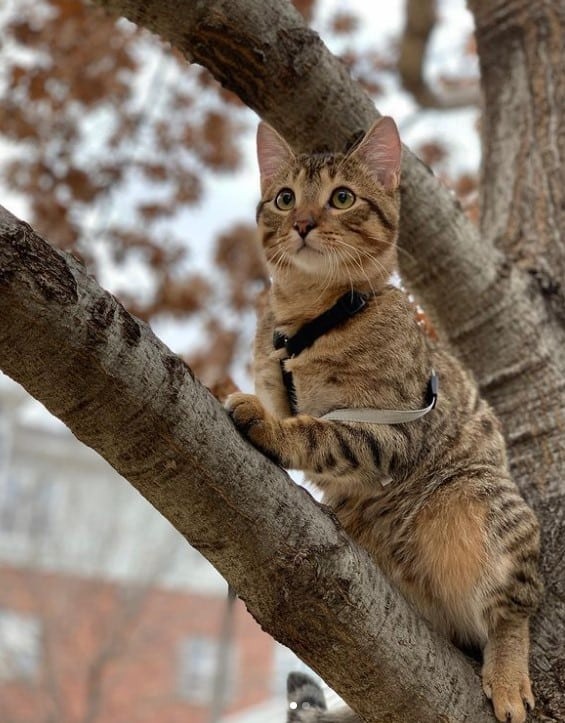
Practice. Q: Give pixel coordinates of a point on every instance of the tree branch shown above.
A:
(122, 392)
(522, 56)
(421, 18)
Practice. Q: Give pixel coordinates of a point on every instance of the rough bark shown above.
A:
(498, 296)
(522, 56)
(122, 392)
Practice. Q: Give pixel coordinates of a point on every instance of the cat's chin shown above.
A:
(308, 260)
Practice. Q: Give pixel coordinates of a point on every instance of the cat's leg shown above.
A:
(315, 445)
(476, 545)
(506, 680)
(515, 596)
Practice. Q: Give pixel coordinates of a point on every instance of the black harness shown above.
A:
(346, 306)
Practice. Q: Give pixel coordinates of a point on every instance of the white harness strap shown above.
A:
(385, 416)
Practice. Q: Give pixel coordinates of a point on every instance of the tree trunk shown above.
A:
(522, 60)
(504, 317)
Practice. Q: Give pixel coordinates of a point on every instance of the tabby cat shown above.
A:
(430, 499)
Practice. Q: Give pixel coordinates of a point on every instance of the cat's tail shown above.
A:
(307, 703)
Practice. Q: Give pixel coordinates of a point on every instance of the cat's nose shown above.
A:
(304, 225)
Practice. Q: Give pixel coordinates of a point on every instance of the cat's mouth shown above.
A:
(307, 247)
(306, 244)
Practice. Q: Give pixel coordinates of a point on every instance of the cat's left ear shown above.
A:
(272, 153)
(380, 151)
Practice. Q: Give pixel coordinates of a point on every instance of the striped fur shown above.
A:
(432, 501)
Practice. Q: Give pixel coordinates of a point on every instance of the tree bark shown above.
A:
(522, 56)
(497, 296)
(123, 393)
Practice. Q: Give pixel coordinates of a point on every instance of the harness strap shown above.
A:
(346, 306)
(387, 416)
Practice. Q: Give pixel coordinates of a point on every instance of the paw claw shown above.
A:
(510, 704)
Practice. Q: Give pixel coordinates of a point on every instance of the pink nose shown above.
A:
(304, 226)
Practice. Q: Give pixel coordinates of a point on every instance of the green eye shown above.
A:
(285, 199)
(342, 198)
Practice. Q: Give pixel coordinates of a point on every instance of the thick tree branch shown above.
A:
(522, 56)
(122, 392)
(421, 17)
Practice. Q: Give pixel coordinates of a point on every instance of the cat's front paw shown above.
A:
(511, 695)
(255, 422)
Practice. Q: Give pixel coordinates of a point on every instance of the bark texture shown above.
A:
(122, 392)
(498, 297)
(522, 56)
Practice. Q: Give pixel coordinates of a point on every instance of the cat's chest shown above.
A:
(362, 362)
(329, 376)
(315, 384)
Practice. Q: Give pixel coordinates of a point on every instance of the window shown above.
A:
(26, 505)
(199, 658)
(20, 646)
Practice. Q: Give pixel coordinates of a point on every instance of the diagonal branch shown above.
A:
(122, 392)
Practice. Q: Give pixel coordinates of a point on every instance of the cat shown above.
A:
(430, 499)
(305, 698)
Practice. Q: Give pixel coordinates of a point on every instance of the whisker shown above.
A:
(390, 243)
(360, 253)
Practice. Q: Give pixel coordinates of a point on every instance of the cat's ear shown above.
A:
(380, 151)
(272, 153)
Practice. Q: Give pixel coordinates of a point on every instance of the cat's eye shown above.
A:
(285, 199)
(342, 198)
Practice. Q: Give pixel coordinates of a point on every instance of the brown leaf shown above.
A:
(344, 23)
(80, 185)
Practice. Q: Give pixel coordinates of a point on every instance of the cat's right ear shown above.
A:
(380, 151)
(272, 153)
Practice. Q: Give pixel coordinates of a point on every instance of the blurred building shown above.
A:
(106, 614)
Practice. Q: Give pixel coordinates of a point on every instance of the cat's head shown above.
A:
(333, 216)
